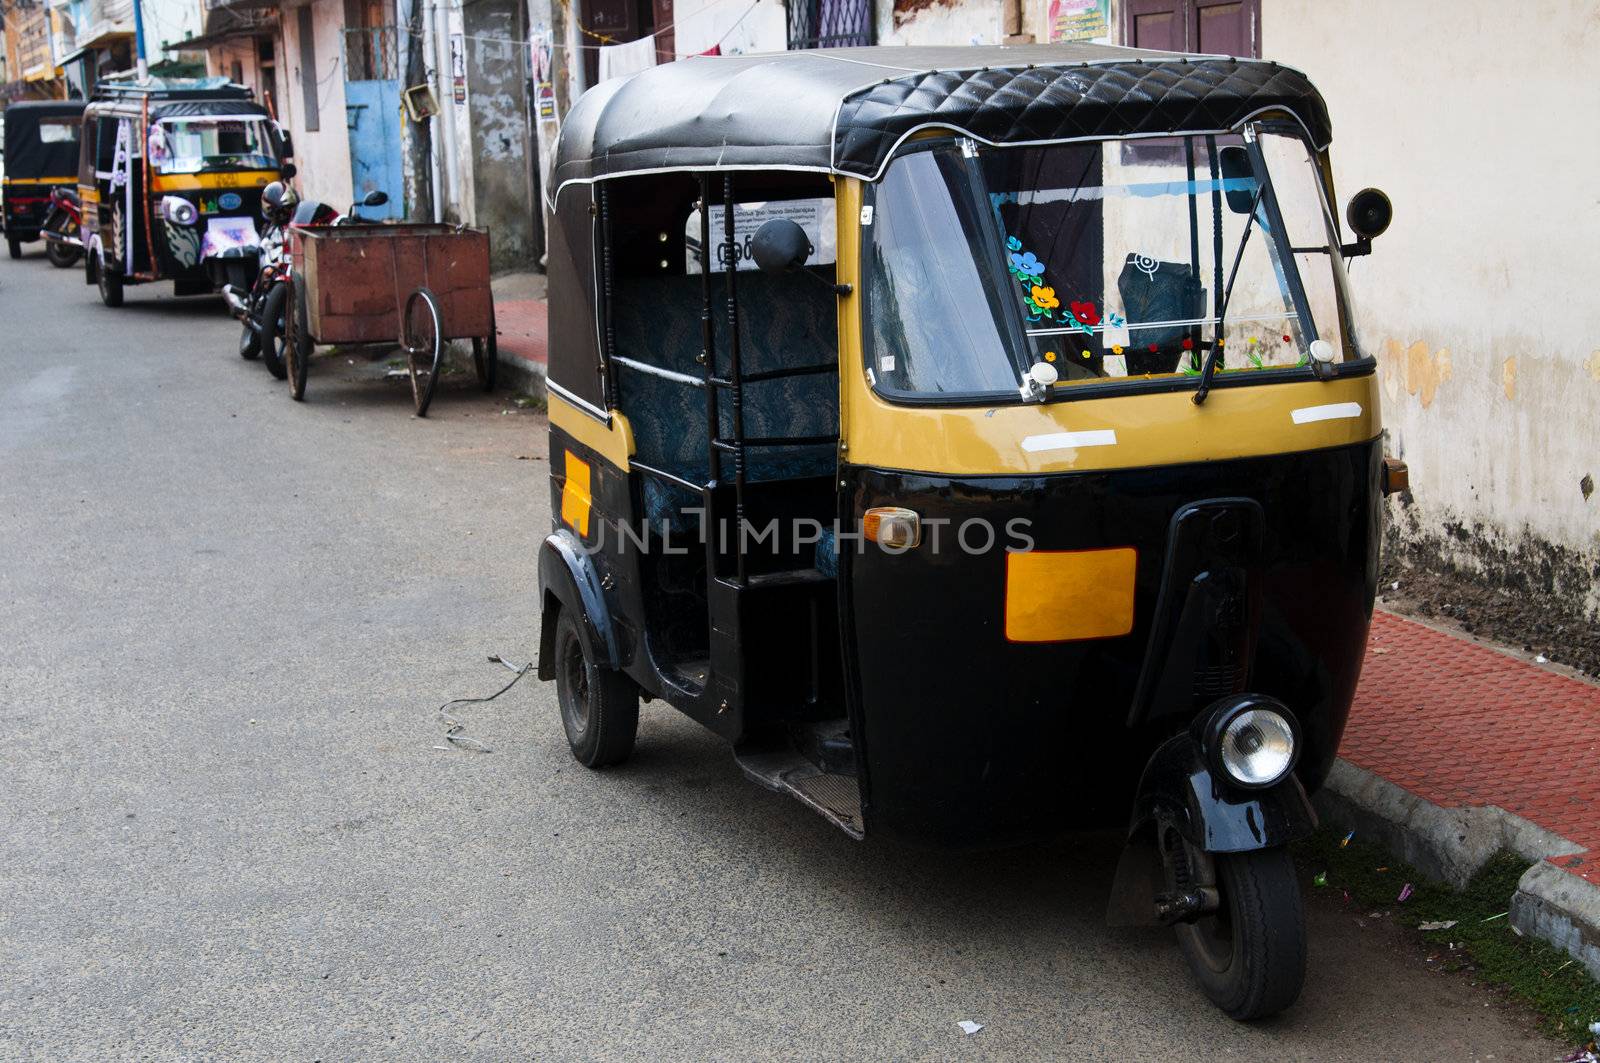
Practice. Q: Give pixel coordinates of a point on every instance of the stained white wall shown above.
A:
(322, 156)
(1481, 301)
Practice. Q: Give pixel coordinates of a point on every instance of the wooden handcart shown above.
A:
(423, 284)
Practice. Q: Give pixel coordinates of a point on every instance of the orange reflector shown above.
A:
(1064, 595)
(575, 497)
(891, 526)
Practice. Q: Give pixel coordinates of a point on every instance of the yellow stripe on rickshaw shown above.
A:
(195, 182)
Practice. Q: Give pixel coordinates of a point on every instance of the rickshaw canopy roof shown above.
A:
(846, 110)
(176, 98)
(29, 155)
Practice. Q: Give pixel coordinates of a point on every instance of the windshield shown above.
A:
(193, 145)
(1110, 260)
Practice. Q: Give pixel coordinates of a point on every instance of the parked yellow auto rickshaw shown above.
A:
(41, 149)
(170, 177)
(980, 441)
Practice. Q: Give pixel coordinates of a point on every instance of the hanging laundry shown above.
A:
(621, 60)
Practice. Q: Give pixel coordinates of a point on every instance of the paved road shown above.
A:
(229, 833)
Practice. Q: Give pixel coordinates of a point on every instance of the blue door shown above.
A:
(372, 109)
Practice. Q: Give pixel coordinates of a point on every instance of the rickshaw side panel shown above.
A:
(972, 739)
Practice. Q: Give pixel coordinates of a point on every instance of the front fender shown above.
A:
(1178, 787)
(568, 579)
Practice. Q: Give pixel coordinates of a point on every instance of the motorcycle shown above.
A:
(63, 228)
(260, 309)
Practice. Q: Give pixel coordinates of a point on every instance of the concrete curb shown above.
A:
(1560, 908)
(1452, 844)
(521, 374)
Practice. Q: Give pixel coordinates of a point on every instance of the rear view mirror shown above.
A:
(780, 246)
(288, 170)
(1239, 180)
(1369, 214)
(375, 198)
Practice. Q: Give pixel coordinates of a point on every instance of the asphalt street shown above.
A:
(229, 830)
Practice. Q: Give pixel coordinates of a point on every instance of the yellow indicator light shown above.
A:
(891, 526)
(575, 497)
(1066, 595)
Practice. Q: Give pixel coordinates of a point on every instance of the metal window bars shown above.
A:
(372, 54)
(830, 23)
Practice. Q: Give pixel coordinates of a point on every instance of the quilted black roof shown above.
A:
(845, 110)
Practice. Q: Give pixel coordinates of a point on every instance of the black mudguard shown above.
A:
(1178, 787)
(568, 579)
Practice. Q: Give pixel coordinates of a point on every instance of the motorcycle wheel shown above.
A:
(61, 255)
(249, 343)
(273, 340)
(297, 350)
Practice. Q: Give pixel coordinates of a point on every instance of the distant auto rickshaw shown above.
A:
(170, 178)
(41, 154)
(979, 440)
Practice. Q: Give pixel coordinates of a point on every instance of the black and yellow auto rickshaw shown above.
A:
(170, 177)
(41, 153)
(980, 441)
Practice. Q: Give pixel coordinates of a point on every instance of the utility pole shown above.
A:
(138, 40)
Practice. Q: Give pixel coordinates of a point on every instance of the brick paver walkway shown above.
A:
(521, 324)
(1460, 724)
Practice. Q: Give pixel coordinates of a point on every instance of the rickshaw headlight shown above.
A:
(178, 210)
(1257, 747)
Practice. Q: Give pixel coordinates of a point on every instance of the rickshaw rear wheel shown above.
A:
(110, 282)
(599, 707)
(14, 246)
(274, 336)
(1250, 955)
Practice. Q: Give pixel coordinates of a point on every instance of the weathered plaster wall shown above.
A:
(739, 28)
(322, 156)
(503, 156)
(1480, 301)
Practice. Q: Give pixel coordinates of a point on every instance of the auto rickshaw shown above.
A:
(170, 176)
(979, 440)
(41, 153)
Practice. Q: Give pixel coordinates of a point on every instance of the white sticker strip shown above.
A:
(1104, 437)
(1333, 411)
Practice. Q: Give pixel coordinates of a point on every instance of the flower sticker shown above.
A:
(1045, 298)
(1049, 356)
(1085, 313)
(1013, 244)
(1026, 263)
(1188, 344)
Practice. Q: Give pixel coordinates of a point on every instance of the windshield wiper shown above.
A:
(1208, 370)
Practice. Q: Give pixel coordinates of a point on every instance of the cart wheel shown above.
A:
(297, 348)
(424, 346)
(1250, 955)
(110, 282)
(273, 339)
(486, 357)
(599, 707)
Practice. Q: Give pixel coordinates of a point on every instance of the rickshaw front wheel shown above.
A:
(1249, 956)
(599, 707)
